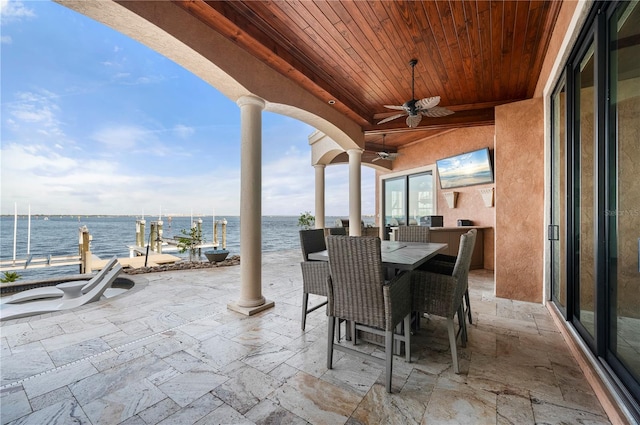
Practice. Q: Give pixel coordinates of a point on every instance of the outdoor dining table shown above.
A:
(398, 255)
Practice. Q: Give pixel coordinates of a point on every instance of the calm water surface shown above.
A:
(112, 235)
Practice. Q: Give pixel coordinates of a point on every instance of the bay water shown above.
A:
(112, 235)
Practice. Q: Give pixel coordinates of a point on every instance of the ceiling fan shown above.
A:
(416, 109)
(385, 154)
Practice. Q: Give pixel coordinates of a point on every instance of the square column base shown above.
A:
(250, 311)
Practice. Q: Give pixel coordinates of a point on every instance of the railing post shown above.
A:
(85, 250)
(159, 239)
(153, 235)
(224, 233)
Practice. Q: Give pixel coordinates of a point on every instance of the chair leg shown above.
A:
(462, 322)
(466, 299)
(305, 300)
(407, 336)
(331, 326)
(452, 342)
(388, 352)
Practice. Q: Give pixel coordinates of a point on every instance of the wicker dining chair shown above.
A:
(359, 294)
(442, 295)
(338, 231)
(444, 264)
(314, 273)
(413, 234)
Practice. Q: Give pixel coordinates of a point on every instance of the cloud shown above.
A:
(54, 183)
(183, 131)
(124, 137)
(6, 39)
(14, 11)
(37, 112)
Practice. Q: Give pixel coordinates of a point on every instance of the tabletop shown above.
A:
(398, 255)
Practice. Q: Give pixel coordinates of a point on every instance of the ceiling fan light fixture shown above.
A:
(413, 120)
(415, 109)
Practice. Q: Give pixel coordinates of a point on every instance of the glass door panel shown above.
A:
(584, 192)
(556, 231)
(394, 202)
(420, 197)
(623, 215)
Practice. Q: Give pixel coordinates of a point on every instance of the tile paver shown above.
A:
(170, 352)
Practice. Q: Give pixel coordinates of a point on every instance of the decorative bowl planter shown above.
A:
(216, 255)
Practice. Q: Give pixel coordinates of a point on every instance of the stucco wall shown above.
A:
(470, 205)
(519, 181)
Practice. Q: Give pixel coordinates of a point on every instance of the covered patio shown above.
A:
(170, 352)
(334, 65)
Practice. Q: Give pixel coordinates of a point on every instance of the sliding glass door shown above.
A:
(594, 231)
(585, 170)
(408, 198)
(557, 228)
(623, 214)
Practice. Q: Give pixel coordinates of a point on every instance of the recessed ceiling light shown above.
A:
(332, 102)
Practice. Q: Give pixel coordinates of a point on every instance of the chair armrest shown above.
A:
(397, 298)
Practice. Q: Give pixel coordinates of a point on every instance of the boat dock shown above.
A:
(153, 260)
(96, 263)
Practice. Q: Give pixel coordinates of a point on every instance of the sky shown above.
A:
(93, 122)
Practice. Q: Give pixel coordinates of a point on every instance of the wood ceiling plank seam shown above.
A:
(362, 17)
(550, 17)
(353, 73)
(475, 46)
(401, 46)
(399, 52)
(359, 41)
(461, 29)
(454, 47)
(422, 48)
(520, 44)
(456, 90)
(484, 37)
(437, 67)
(506, 53)
(528, 58)
(497, 28)
(228, 19)
(284, 13)
(371, 92)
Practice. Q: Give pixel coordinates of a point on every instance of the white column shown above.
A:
(251, 300)
(355, 189)
(320, 190)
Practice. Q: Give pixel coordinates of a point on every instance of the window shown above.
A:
(408, 198)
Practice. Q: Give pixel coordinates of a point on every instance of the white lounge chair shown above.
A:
(53, 292)
(31, 308)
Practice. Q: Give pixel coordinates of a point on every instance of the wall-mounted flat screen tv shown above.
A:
(466, 169)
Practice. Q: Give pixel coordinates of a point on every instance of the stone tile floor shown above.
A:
(170, 352)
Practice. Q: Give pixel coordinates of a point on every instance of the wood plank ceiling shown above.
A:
(474, 54)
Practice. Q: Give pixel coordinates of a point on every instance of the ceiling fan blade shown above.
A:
(395, 107)
(428, 102)
(413, 120)
(392, 117)
(377, 158)
(437, 111)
